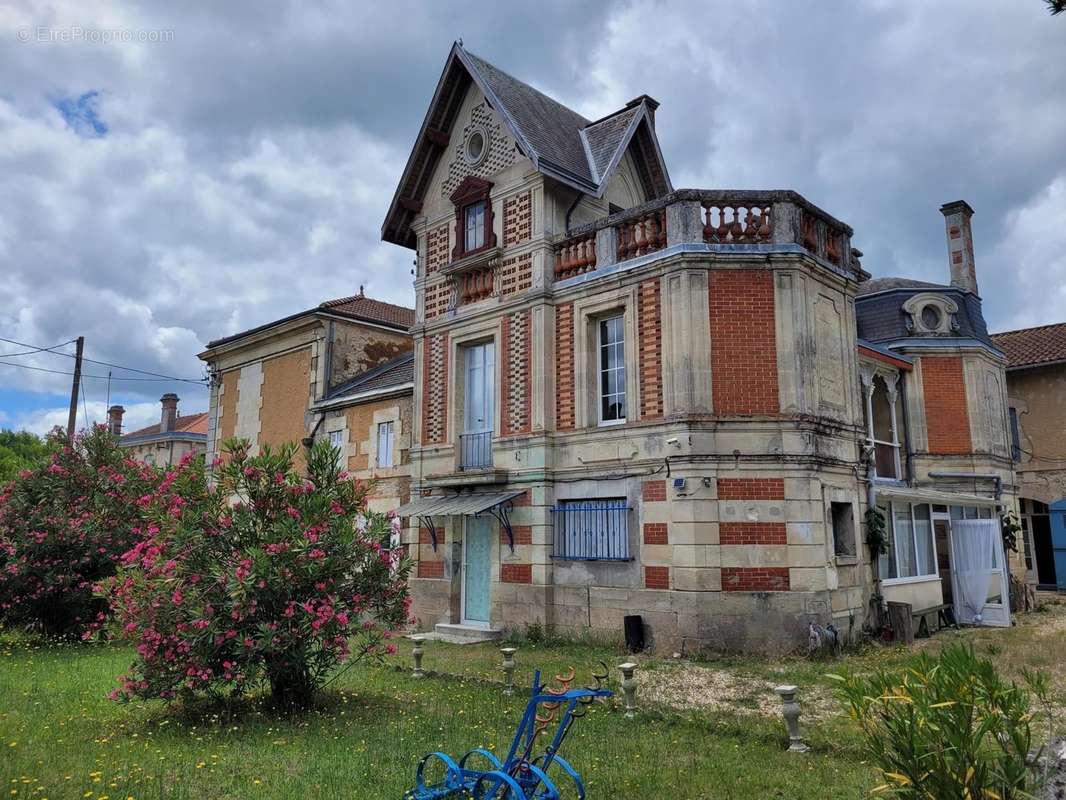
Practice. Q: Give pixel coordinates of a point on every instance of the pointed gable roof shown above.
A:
(560, 142)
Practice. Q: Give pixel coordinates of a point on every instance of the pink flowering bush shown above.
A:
(267, 577)
(63, 527)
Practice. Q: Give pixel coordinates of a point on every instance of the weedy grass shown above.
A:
(61, 738)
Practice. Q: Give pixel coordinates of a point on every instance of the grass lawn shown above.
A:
(60, 737)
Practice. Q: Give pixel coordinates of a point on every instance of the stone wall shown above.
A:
(1037, 397)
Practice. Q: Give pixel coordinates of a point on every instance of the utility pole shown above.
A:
(72, 418)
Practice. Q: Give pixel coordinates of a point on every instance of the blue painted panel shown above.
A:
(478, 567)
(1058, 540)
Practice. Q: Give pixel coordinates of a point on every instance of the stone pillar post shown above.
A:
(606, 247)
(684, 222)
(629, 688)
(416, 656)
(791, 711)
(508, 669)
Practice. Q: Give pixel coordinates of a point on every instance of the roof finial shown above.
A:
(460, 41)
(360, 290)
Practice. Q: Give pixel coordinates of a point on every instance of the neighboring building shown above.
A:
(631, 399)
(340, 370)
(166, 443)
(1036, 392)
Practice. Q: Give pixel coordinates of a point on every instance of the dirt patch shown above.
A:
(683, 686)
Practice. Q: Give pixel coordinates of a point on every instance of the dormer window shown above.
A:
(930, 314)
(473, 217)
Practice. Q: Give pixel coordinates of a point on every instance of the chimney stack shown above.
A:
(170, 412)
(114, 420)
(960, 245)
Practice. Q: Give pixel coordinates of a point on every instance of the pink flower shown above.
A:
(176, 597)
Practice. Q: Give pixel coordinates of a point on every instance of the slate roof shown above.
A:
(880, 317)
(884, 284)
(357, 307)
(195, 424)
(391, 374)
(1030, 347)
(560, 142)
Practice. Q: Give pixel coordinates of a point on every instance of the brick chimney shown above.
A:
(960, 245)
(170, 412)
(114, 420)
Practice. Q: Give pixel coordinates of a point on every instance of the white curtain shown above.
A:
(975, 543)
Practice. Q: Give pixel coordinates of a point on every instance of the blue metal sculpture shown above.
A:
(521, 775)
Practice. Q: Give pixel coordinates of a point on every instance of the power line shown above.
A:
(35, 349)
(99, 377)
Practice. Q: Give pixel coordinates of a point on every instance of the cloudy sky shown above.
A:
(174, 172)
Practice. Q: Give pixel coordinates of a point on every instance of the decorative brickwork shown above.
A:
(743, 342)
(655, 533)
(424, 536)
(516, 274)
(438, 298)
(752, 533)
(435, 389)
(946, 414)
(523, 534)
(436, 248)
(649, 330)
(653, 491)
(517, 218)
(656, 577)
(751, 489)
(501, 151)
(430, 569)
(516, 573)
(564, 367)
(515, 392)
(755, 579)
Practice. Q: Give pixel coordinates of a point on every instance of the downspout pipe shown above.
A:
(981, 476)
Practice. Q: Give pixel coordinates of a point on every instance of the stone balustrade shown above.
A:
(731, 220)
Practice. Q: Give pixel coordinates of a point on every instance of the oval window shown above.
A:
(475, 146)
(931, 318)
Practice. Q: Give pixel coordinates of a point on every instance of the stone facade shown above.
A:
(737, 466)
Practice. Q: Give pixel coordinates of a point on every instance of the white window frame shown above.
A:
(897, 581)
(602, 371)
(336, 440)
(385, 457)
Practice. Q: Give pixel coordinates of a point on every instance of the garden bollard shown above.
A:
(791, 711)
(629, 688)
(508, 668)
(416, 656)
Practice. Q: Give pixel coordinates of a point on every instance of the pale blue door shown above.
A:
(477, 551)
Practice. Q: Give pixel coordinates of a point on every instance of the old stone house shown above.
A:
(1036, 388)
(341, 370)
(633, 399)
(167, 442)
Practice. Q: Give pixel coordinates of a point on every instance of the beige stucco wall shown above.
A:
(1039, 395)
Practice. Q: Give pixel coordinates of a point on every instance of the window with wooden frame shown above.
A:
(473, 217)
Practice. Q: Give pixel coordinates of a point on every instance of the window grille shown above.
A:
(592, 530)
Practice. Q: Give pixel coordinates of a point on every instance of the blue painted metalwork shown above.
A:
(592, 530)
(521, 775)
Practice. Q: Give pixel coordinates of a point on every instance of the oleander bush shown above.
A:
(947, 727)
(64, 525)
(266, 577)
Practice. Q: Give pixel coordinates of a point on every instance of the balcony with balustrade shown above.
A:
(704, 220)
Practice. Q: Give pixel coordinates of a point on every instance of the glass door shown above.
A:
(479, 407)
(477, 567)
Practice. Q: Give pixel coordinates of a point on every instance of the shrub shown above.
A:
(265, 577)
(946, 727)
(63, 526)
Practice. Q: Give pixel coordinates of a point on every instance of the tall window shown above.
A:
(386, 445)
(474, 216)
(1015, 435)
(336, 441)
(911, 552)
(612, 353)
(479, 407)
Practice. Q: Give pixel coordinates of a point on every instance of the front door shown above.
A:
(979, 570)
(477, 563)
(1058, 541)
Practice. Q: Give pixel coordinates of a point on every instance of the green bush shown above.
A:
(946, 727)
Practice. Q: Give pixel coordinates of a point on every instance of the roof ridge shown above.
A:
(1034, 328)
